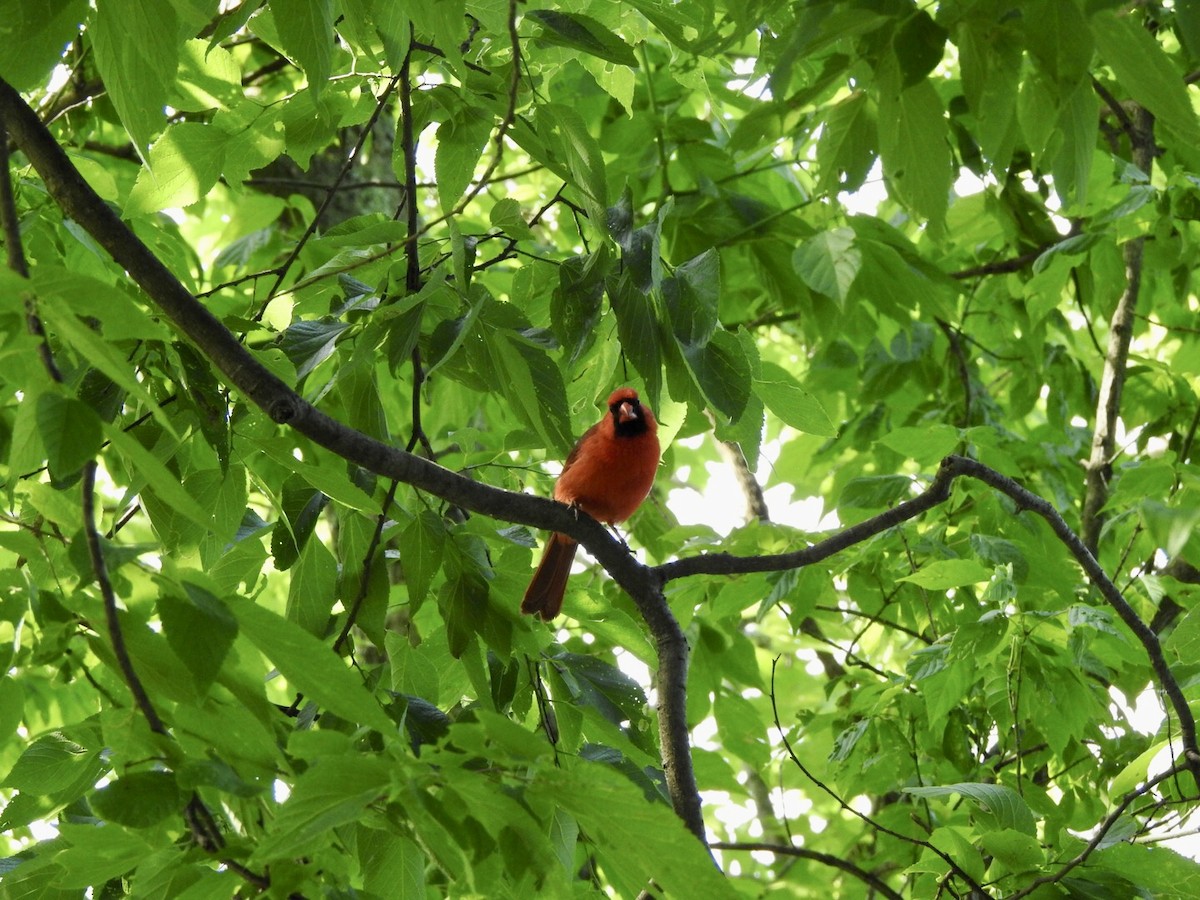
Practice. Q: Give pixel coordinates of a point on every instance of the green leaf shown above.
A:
(53, 764)
(794, 406)
(723, 373)
(200, 629)
(693, 296)
(310, 666)
(565, 130)
(1064, 62)
(330, 794)
(584, 33)
(309, 343)
(70, 432)
(637, 328)
(1146, 72)
(100, 353)
(915, 148)
(875, 492)
(927, 444)
(919, 45)
(460, 143)
(34, 37)
(829, 263)
(575, 304)
(157, 476)
(847, 147)
(422, 543)
(949, 573)
(96, 855)
(392, 865)
(1004, 804)
(506, 215)
(533, 386)
(312, 589)
(183, 165)
(139, 799)
(137, 54)
(306, 32)
(636, 841)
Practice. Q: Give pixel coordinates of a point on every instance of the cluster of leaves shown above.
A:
(457, 225)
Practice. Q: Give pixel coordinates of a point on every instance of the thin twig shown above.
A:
(115, 634)
(283, 269)
(826, 859)
(787, 744)
(364, 582)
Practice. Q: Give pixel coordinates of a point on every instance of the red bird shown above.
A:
(607, 475)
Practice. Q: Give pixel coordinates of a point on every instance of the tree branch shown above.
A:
(116, 636)
(945, 857)
(1116, 359)
(284, 406)
(826, 859)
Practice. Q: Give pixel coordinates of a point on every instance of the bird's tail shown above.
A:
(544, 596)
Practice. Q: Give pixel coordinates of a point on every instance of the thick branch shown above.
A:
(284, 406)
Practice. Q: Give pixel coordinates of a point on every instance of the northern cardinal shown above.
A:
(607, 475)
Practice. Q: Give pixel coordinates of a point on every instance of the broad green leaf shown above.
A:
(70, 433)
(875, 492)
(927, 445)
(422, 543)
(137, 53)
(584, 33)
(209, 77)
(784, 397)
(1064, 62)
(1132, 776)
(139, 799)
(310, 666)
(312, 589)
(331, 793)
(183, 165)
(723, 372)
(915, 149)
(200, 629)
(568, 134)
(829, 262)
(1005, 805)
(53, 764)
(34, 37)
(637, 841)
(306, 32)
(392, 865)
(575, 304)
(919, 45)
(156, 476)
(1144, 70)
(692, 296)
(99, 353)
(96, 855)
(944, 574)
(460, 144)
(637, 327)
(506, 215)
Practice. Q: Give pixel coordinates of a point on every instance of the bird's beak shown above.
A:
(627, 412)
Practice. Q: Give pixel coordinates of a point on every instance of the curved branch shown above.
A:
(943, 855)
(285, 407)
(826, 859)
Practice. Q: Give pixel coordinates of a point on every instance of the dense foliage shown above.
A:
(831, 243)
